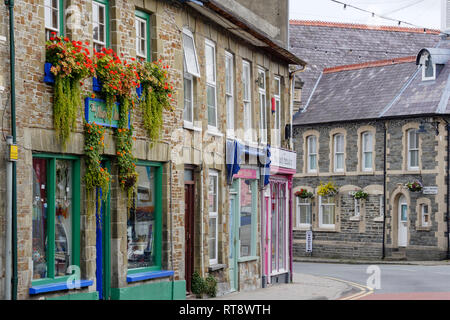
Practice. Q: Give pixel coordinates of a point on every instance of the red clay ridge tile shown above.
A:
(371, 64)
(362, 26)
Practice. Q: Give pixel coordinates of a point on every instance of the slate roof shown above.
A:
(378, 89)
(327, 44)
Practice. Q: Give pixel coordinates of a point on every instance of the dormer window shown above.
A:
(428, 67)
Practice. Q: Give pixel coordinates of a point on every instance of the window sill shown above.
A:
(378, 219)
(248, 259)
(59, 286)
(216, 267)
(326, 229)
(149, 275)
(214, 132)
(302, 228)
(428, 228)
(355, 218)
(189, 126)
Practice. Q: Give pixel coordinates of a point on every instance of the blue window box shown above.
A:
(58, 286)
(96, 85)
(48, 76)
(149, 275)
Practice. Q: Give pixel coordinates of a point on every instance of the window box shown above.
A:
(141, 276)
(59, 286)
(96, 85)
(49, 77)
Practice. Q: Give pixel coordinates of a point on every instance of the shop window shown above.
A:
(327, 211)
(213, 241)
(303, 214)
(55, 216)
(144, 223)
(54, 17)
(247, 221)
(100, 24)
(142, 25)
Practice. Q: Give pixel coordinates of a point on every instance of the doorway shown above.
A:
(402, 222)
(189, 201)
(277, 227)
(103, 242)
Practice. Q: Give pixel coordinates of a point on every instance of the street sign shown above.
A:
(430, 190)
(309, 241)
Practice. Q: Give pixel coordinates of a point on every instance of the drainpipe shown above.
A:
(384, 188)
(10, 4)
(8, 243)
(171, 228)
(448, 188)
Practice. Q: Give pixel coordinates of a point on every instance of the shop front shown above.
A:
(277, 218)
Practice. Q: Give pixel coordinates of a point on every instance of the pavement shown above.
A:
(303, 287)
(370, 262)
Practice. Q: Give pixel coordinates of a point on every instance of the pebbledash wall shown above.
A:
(361, 237)
(175, 149)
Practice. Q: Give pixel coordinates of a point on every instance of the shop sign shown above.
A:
(95, 111)
(309, 241)
(283, 158)
(430, 190)
(246, 174)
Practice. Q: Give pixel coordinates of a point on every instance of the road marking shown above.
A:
(364, 290)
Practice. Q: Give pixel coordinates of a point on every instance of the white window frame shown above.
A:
(299, 223)
(321, 224)
(97, 41)
(188, 123)
(422, 207)
(309, 153)
(262, 106)
(195, 71)
(410, 150)
(365, 152)
(211, 84)
(229, 94)
(357, 207)
(277, 126)
(48, 28)
(423, 61)
(336, 153)
(215, 215)
(138, 22)
(247, 83)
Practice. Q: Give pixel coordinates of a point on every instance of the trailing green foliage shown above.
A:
(201, 286)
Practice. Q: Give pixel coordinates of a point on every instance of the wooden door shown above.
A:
(189, 232)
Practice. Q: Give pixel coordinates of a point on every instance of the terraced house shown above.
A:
(224, 69)
(378, 131)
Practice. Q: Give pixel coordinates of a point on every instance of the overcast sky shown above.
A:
(423, 13)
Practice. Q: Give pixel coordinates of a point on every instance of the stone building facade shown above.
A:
(374, 131)
(186, 153)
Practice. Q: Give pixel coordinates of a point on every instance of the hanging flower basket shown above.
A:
(414, 186)
(360, 195)
(327, 190)
(304, 194)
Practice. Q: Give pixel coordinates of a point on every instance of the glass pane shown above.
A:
(229, 75)
(328, 214)
(96, 32)
(102, 33)
(211, 101)
(188, 175)
(142, 47)
(413, 139)
(367, 160)
(312, 162)
(230, 228)
(63, 220)
(339, 143)
(277, 117)
(414, 158)
(404, 216)
(209, 53)
(95, 17)
(212, 194)
(39, 232)
(262, 105)
(282, 227)
(367, 142)
(277, 87)
(246, 222)
(429, 71)
(142, 28)
(312, 144)
(141, 223)
(189, 55)
(48, 17)
(212, 238)
(274, 221)
(261, 80)
(55, 18)
(339, 161)
(230, 112)
(246, 81)
(187, 99)
(101, 15)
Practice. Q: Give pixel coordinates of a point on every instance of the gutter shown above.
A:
(10, 5)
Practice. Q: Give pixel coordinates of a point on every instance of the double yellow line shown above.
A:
(364, 290)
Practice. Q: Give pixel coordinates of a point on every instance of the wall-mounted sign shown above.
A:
(309, 237)
(95, 111)
(430, 190)
(283, 158)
